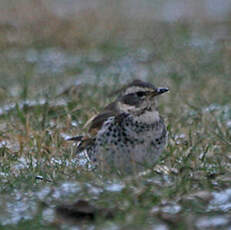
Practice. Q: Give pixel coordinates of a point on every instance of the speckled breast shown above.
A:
(125, 144)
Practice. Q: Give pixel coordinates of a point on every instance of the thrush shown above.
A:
(129, 133)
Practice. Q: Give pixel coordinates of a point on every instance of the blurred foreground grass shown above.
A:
(57, 72)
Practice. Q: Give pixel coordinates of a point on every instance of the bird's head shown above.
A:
(138, 97)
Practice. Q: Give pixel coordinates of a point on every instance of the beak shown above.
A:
(160, 90)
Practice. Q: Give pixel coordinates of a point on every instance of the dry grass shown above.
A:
(101, 48)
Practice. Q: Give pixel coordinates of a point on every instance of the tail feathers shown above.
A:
(84, 142)
(76, 138)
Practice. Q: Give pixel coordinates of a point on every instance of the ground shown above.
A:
(57, 72)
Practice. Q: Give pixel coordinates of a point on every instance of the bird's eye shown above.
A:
(140, 94)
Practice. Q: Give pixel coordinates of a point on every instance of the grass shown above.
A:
(51, 86)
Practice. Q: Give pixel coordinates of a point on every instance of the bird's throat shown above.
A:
(148, 117)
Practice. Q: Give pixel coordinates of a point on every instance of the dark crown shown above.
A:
(142, 84)
(135, 83)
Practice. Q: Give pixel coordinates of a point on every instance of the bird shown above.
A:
(129, 134)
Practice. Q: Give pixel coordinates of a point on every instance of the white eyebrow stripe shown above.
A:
(135, 89)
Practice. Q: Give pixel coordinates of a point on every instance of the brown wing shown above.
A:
(95, 125)
(98, 121)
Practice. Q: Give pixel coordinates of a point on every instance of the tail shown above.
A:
(84, 142)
